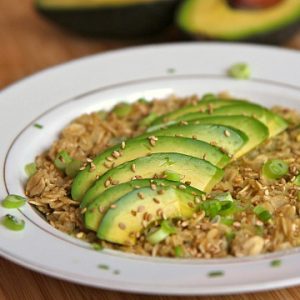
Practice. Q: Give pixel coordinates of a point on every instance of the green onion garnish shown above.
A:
(13, 201)
(122, 110)
(103, 267)
(39, 126)
(211, 207)
(102, 114)
(73, 168)
(230, 236)
(239, 71)
(149, 119)
(297, 180)
(178, 250)
(227, 221)
(263, 214)
(215, 274)
(276, 263)
(30, 169)
(62, 160)
(13, 223)
(275, 169)
(162, 233)
(96, 246)
(142, 101)
(171, 175)
(224, 197)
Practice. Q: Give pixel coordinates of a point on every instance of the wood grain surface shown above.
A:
(28, 43)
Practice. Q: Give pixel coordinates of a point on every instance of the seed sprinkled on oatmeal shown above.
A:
(140, 208)
(107, 183)
(153, 186)
(227, 133)
(123, 145)
(116, 154)
(122, 226)
(133, 167)
(141, 195)
(113, 206)
(182, 187)
(156, 200)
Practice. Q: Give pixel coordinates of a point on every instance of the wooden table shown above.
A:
(28, 44)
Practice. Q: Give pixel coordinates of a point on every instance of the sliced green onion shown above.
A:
(13, 223)
(211, 207)
(96, 246)
(162, 233)
(230, 236)
(239, 71)
(215, 274)
(149, 119)
(224, 197)
(73, 168)
(297, 180)
(13, 201)
(171, 175)
(142, 101)
(122, 110)
(228, 208)
(275, 169)
(103, 267)
(178, 250)
(62, 160)
(276, 263)
(30, 169)
(227, 221)
(259, 230)
(38, 126)
(263, 214)
(102, 114)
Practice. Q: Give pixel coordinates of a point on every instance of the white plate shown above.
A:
(55, 96)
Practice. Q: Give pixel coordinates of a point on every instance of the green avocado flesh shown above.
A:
(210, 133)
(97, 209)
(198, 172)
(275, 123)
(217, 19)
(135, 148)
(201, 106)
(119, 225)
(256, 131)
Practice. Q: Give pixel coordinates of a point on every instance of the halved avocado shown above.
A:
(113, 18)
(198, 172)
(119, 225)
(201, 106)
(256, 131)
(218, 19)
(96, 210)
(274, 122)
(135, 148)
(210, 133)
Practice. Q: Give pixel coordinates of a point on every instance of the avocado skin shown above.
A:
(125, 21)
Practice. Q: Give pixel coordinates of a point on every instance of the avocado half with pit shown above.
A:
(117, 18)
(225, 20)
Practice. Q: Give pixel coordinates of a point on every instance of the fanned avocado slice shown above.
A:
(201, 106)
(256, 131)
(210, 133)
(135, 148)
(102, 203)
(274, 122)
(200, 173)
(131, 215)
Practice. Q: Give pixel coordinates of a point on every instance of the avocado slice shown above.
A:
(210, 133)
(119, 225)
(201, 106)
(200, 173)
(217, 19)
(274, 122)
(256, 131)
(135, 148)
(96, 210)
(112, 18)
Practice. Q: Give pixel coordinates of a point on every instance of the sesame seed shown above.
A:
(133, 212)
(184, 122)
(267, 193)
(115, 182)
(80, 235)
(82, 168)
(178, 135)
(140, 208)
(101, 209)
(137, 187)
(149, 217)
(152, 142)
(237, 224)
(107, 183)
(160, 192)
(83, 210)
(153, 186)
(106, 165)
(194, 137)
(141, 195)
(197, 200)
(89, 160)
(116, 154)
(109, 158)
(113, 206)
(182, 187)
(122, 226)
(156, 200)
(227, 133)
(190, 204)
(145, 215)
(204, 156)
(213, 143)
(123, 145)
(188, 183)
(133, 167)
(184, 224)
(159, 212)
(138, 177)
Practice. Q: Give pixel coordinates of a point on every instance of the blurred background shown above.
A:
(36, 35)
